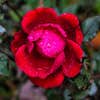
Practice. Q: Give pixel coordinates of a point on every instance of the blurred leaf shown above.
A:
(54, 94)
(5, 93)
(1, 16)
(86, 73)
(67, 95)
(96, 60)
(57, 10)
(82, 80)
(80, 95)
(24, 9)
(4, 65)
(97, 55)
(92, 90)
(49, 3)
(14, 16)
(1, 39)
(90, 27)
(64, 3)
(5, 90)
(2, 30)
(32, 3)
(2, 1)
(97, 5)
(71, 9)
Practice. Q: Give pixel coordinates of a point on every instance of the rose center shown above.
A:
(50, 44)
(49, 39)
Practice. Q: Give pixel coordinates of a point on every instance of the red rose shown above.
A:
(48, 47)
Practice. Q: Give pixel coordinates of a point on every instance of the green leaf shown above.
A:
(32, 3)
(71, 9)
(80, 95)
(79, 82)
(47, 3)
(86, 73)
(90, 27)
(54, 94)
(97, 6)
(82, 80)
(14, 16)
(50, 3)
(96, 62)
(67, 95)
(64, 3)
(4, 65)
(1, 16)
(2, 1)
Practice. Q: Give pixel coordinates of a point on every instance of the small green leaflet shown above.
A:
(4, 71)
(90, 27)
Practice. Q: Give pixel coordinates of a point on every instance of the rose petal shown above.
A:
(51, 81)
(35, 65)
(72, 64)
(70, 24)
(39, 30)
(79, 36)
(38, 16)
(35, 35)
(19, 40)
(30, 46)
(75, 48)
(58, 61)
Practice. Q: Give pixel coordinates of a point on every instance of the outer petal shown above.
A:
(38, 16)
(51, 81)
(70, 24)
(19, 40)
(35, 65)
(74, 54)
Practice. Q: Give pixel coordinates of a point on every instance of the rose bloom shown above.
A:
(47, 48)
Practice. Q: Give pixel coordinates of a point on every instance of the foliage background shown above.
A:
(14, 85)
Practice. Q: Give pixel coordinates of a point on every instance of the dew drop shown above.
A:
(30, 38)
(41, 43)
(48, 45)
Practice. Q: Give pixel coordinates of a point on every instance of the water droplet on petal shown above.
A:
(48, 45)
(41, 43)
(30, 38)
